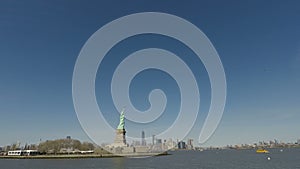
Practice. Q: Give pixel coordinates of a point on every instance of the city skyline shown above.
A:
(258, 44)
(174, 144)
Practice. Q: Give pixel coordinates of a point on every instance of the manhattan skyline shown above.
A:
(258, 44)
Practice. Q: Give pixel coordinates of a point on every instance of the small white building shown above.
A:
(23, 153)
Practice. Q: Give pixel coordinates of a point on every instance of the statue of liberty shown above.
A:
(120, 139)
(122, 120)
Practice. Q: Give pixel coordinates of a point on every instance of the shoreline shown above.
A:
(60, 156)
(79, 156)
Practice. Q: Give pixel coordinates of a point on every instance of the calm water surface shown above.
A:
(222, 159)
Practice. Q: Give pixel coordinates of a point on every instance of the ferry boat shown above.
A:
(262, 151)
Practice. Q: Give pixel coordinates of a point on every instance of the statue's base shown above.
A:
(120, 138)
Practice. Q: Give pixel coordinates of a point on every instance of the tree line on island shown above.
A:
(64, 146)
(60, 146)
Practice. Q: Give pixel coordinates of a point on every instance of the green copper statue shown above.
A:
(122, 121)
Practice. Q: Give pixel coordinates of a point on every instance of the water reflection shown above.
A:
(119, 163)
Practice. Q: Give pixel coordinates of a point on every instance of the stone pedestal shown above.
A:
(120, 137)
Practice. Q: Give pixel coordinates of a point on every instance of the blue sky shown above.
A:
(258, 43)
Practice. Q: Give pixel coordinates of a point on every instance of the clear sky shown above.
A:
(258, 43)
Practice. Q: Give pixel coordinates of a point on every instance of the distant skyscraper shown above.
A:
(143, 139)
(181, 145)
(190, 144)
(153, 139)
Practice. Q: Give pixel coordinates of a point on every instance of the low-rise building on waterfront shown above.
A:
(23, 153)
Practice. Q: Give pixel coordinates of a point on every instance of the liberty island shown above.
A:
(120, 147)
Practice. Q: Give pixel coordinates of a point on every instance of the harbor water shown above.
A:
(209, 159)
